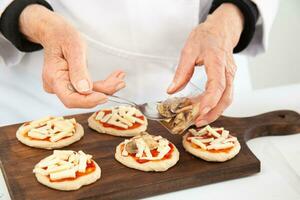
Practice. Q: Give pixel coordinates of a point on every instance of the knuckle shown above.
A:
(219, 60)
(220, 86)
(46, 88)
(230, 73)
(186, 51)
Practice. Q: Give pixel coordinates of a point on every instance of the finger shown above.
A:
(118, 74)
(47, 88)
(113, 83)
(184, 72)
(72, 99)
(75, 54)
(216, 82)
(51, 65)
(224, 102)
(215, 113)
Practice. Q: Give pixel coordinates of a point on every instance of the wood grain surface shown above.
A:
(120, 182)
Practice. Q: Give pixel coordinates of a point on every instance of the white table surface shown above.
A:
(280, 156)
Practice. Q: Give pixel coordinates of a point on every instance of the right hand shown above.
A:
(65, 67)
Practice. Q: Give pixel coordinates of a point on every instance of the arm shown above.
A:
(211, 44)
(65, 70)
(231, 27)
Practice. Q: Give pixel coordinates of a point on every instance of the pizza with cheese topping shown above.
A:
(146, 152)
(126, 121)
(50, 132)
(67, 170)
(211, 144)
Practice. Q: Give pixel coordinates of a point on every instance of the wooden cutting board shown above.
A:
(118, 181)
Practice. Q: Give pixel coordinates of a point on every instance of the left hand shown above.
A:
(211, 44)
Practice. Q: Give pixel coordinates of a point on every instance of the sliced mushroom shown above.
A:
(164, 110)
(131, 147)
(181, 110)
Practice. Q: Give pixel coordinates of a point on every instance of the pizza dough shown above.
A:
(123, 121)
(211, 144)
(67, 170)
(147, 153)
(50, 132)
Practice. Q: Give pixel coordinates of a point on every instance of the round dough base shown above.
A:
(157, 166)
(52, 145)
(123, 133)
(208, 156)
(71, 185)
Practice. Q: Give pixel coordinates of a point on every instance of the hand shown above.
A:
(211, 44)
(65, 68)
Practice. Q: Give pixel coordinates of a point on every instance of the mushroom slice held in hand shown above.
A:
(211, 144)
(50, 132)
(147, 153)
(180, 113)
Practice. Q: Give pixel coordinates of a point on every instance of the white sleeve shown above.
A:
(9, 54)
(267, 12)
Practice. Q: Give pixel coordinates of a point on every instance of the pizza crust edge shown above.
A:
(157, 166)
(208, 156)
(52, 145)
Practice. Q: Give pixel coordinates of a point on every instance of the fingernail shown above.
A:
(205, 110)
(171, 87)
(201, 123)
(120, 86)
(83, 85)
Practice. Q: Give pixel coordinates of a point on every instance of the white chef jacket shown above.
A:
(143, 38)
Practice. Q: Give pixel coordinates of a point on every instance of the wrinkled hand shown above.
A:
(211, 44)
(65, 70)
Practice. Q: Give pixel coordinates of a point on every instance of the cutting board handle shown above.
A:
(281, 122)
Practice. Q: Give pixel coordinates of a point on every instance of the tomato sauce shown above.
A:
(106, 125)
(91, 167)
(227, 150)
(154, 154)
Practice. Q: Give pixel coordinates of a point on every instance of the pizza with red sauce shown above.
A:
(126, 121)
(67, 170)
(50, 132)
(147, 152)
(211, 144)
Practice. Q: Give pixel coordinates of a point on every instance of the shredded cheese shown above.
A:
(143, 150)
(121, 116)
(54, 128)
(63, 164)
(209, 138)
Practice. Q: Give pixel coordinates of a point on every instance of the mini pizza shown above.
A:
(126, 121)
(211, 144)
(50, 132)
(147, 153)
(67, 170)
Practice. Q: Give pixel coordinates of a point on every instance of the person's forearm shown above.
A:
(231, 20)
(35, 21)
(10, 23)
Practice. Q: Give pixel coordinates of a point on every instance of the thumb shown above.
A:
(183, 74)
(78, 72)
